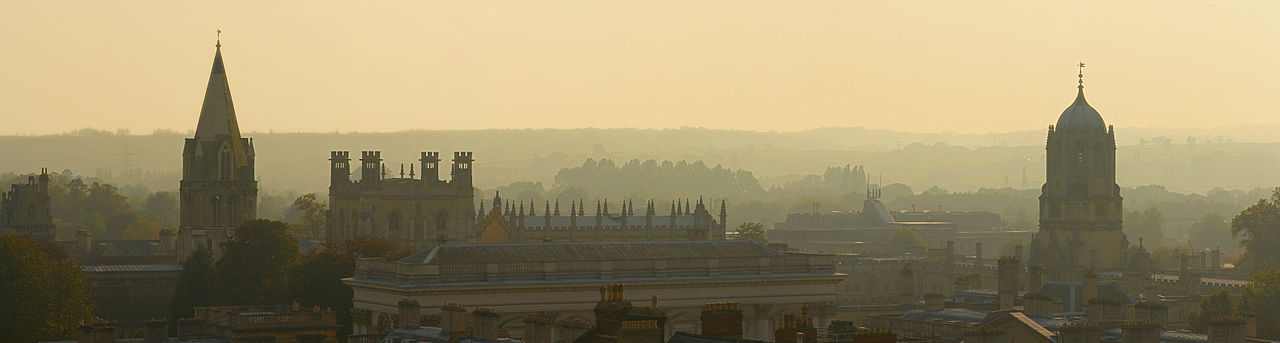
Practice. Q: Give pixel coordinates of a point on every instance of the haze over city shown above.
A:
(388, 66)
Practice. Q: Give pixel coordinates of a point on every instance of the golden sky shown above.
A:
(964, 66)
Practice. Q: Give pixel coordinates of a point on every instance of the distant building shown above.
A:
(516, 280)
(508, 222)
(25, 209)
(226, 324)
(218, 190)
(412, 210)
(1080, 205)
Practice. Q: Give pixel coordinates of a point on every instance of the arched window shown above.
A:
(224, 163)
(393, 225)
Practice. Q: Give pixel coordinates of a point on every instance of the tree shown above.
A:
(194, 282)
(163, 206)
(1147, 225)
(752, 232)
(370, 247)
(1211, 231)
(44, 296)
(1218, 305)
(1262, 297)
(256, 265)
(142, 229)
(1258, 229)
(319, 277)
(311, 214)
(904, 239)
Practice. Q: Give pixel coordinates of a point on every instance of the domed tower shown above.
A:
(1080, 203)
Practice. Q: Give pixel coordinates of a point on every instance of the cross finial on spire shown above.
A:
(1080, 76)
(219, 45)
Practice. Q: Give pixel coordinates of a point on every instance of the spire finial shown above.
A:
(1080, 81)
(219, 45)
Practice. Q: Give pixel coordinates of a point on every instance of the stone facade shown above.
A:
(517, 280)
(25, 209)
(1080, 203)
(508, 222)
(218, 190)
(415, 211)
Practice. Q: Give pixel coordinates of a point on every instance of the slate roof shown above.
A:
(955, 315)
(1080, 115)
(587, 251)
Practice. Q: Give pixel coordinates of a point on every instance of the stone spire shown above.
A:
(218, 113)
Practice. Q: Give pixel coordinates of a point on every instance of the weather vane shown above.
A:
(1081, 75)
(219, 38)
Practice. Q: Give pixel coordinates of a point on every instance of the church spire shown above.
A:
(218, 113)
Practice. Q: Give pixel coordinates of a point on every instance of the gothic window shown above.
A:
(231, 212)
(224, 163)
(31, 211)
(393, 225)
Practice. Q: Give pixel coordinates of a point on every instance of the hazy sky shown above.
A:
(967, 66)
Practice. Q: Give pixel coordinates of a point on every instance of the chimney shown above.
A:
(1089, 283)
(156, 331)
(453, 318)
(640, 331)
(485, 324)
(1227, 330)
(722, 320)
(877, 335)
(83, 242)
(104, 332)
(538, 327)
(1215, 259)
(1149, 310)
(1137, 331)
(795, 329)
(1007, 281)
(1079, 332)
(570, 330)
(1040, 305)
(934, 301)
(907, 284)
(984, 335)
(410, 314)
(86, 333)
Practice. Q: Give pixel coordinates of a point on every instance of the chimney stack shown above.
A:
(453, 317)
(795, 329)
(410, 313)
(1227, 330)
(722, 320)
(485, 324)
(538, 327)
(1137, 331)
(640, 331)
(1007, 281)
(907, 285)
(1080, 332)
(984, 335)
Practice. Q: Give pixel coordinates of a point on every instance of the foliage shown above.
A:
(255, 265)
(142, 229)
(904, 239)
(319, 283)
(44, 294)
(1147, 225)
(370, 247)
(752, 232)
(1212, 230)
(1218, 305)
(95, 207)
(1262, 296)
(311, 215)
(163, 206)
(1258, 229)
(194, 282)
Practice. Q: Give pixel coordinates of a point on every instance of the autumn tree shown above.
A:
(311, 215)
(1212, 230)
(752, 232)
(1218, 305)
(44, 296)
(1262, 297)
(256, 265)
(318, 279)
(1258, 229)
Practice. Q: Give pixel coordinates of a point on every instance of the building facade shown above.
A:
(25, 209)
(517, 280)
(508, 222)
(1080, 203)
(413, 210)
(218, 190)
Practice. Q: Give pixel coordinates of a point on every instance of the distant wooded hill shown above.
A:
(1188, 160)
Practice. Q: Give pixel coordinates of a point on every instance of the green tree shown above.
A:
(1258, 229)
(319, 277)
(44, 296)
(163, 206)
(752, 232)
(1218, 305)
(256, 265)
(1262, 297)
(194, 284)
(311, 215)
(1212, 231)
(904, 239)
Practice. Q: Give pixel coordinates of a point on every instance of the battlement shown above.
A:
(339, 156)
(371, 155)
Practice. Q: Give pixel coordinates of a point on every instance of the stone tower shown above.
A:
(25, 209)
(1080, 203)
(218, 190)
